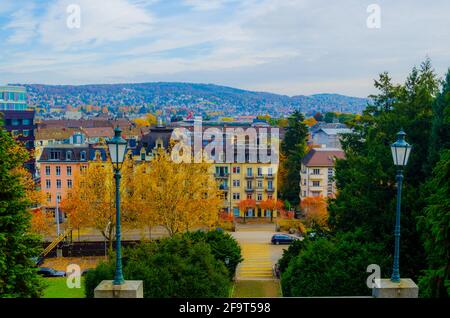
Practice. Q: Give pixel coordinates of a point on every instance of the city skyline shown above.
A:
(285, 47)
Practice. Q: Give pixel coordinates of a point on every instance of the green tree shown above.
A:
(435, 229)
(223, 246)
(333, 267)
(18, 277)
(174, 267)
(293, 149)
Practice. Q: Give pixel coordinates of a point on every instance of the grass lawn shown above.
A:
(256, 288)
(57, 288)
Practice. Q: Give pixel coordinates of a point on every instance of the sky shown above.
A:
(289, 47)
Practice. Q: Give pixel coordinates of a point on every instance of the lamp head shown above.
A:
(400, 150)
(117, 148)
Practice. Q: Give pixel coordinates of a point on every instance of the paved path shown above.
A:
(258, 253)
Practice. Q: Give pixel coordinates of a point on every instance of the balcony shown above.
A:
(270, 190)
(248, 176)
(269, 176)
(223, 175)
(259, 176)
(249, 190)
(224, 187)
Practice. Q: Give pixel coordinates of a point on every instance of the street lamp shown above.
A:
(117, 147)
(400, 154)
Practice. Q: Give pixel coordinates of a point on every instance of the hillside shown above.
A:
(200, 98)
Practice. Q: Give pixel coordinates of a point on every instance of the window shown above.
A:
(236, 183)
(143, 156)
(304, 182)
(83, 169)
(259, 184)
(58, 183)
(249, 184)
(83, 155)
(259, 197)
(249, 196)
(26, 121)
(270, 172)
(270, 184)
(269, 196)
(69, 183)
(249, 172)
(48, 184)
(69, 170)
(26, 132)
(260, 171)
(221, 171)
(304, 193)
(15, 122)
(47, 170)
(316, 171)
(55, 155)
(58, 170)
(49, 197)
(316, 193)
(236, 170)
(58, 197)
(69, 155)
(316, 183)
(236, 196)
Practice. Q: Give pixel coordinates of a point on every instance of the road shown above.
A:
(258, 253)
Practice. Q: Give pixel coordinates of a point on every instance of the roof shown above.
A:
(75, 150)
(335, 131)
(99, 132)
(322, 157)
(54, 133)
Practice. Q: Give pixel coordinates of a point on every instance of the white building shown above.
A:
(317, 172)
(329, 137)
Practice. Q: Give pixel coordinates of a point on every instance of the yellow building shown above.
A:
(238, 181)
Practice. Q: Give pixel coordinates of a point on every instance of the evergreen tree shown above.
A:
(293, 149)
(18, 278)
(435, 228)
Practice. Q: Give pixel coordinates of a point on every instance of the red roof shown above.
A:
(322, 157)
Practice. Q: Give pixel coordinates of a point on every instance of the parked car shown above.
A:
(50, 272)
(283, 239)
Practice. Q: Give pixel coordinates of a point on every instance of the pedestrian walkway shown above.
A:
(257, 262)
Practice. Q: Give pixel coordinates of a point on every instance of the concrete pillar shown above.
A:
(385, 288)
(129, 289)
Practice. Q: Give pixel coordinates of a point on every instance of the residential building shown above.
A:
(61, 164)
(18, 119)
(329, 137)
(317, 172)
(238, 180)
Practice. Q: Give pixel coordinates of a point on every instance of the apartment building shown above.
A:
(317, 172)
(61, 164)
(18, 118)
(238, 180)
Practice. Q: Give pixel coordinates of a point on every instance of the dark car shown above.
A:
(50, 272)
(283, 239)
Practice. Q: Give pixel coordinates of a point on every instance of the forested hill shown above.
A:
(198, 97)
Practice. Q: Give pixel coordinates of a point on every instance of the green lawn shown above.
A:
(57, 288)
(256, 288)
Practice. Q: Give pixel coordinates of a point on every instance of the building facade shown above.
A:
(18, 119)
(317, 172)
(238, 181)
(61, 164)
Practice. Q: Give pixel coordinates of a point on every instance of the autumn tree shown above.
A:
(179, 195)
(271, 205)
(315, 211)
(41, 222)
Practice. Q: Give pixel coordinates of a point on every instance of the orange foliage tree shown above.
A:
(272, 205)
(315, 211)
(41, 222)
(246, 204)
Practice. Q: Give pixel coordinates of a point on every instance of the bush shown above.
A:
(223, 245)
(294, 250)
(333, 267)
(171, 268)
(103, 271)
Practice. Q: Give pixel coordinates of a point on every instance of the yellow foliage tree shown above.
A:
(179, 196)
(316, 212)
(311, 121)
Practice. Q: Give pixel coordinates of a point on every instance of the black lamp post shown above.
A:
(117, 148)
(400, 153)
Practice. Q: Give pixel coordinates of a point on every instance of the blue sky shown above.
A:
(283, 46)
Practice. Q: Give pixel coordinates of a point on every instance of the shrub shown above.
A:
(333, 267)
(175, 267)
(223, 245)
